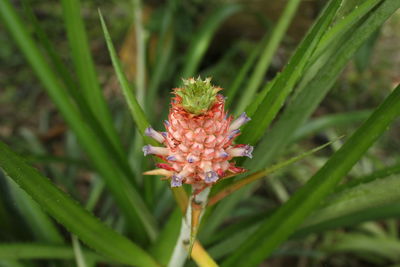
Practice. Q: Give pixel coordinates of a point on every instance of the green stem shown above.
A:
(183, 245)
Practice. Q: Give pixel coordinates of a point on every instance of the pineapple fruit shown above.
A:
(199, 136)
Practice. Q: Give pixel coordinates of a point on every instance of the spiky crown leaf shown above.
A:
(197, 95)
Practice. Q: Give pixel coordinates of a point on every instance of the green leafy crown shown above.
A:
(197, 95)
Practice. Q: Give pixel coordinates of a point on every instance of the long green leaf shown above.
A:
(264, 61)
(48, 159)
(307, 100)
(11, 263)
(126, 196)
(164, 245)
(334, 38)
(48, 46)
(373, 201)
(342, 26)
(79, 257)
(6, 222)
(136, 111)
(164, 53)
(202, 39)
(66, 211)
(284, 221)
(19, 251)
(379, 174)
(134, 107)
(270, 105)
(42, 227)
(158, 73)
(233, 242)
(75, 92)
(233, 88)
(376, 200)
(373, 194)
(336, 34)
(334, 120)
(85, 69)
(140, 51)
(285, 83)
(366, 246)
(391, 210)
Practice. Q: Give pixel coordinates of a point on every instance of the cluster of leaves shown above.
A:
(310, 73)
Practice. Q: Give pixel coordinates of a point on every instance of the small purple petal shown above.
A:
(211, 177)
(247, 151)
(165, 134)
(192, 158)
(166, 123)
(224, 154)
(242, 119)
(154, 134)
(156, 150)
(233, 133)
(176, 181)
(171, 158)
(148, 131)
(146, 150)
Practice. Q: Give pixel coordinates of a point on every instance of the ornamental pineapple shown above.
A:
(199, 136)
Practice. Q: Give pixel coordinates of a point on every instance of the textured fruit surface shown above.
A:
(199, 136)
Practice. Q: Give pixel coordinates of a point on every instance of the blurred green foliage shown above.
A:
(88, 142)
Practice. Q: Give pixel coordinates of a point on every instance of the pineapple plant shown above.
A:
(199, 137)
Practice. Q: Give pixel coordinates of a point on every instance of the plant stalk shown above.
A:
(186, 238)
